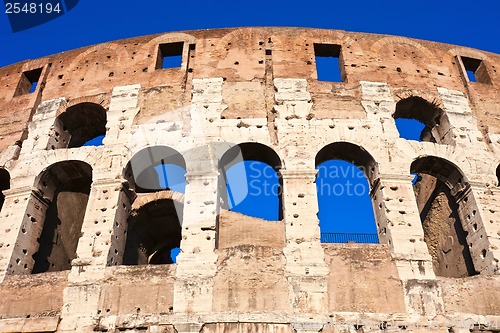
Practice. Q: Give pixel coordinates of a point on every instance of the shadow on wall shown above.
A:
(154, 231)
(420, 120)
(498, 175)
(4, 184)
(156, 177)
(80, 125)
(438, 190)
(156, 169)
(66, 187)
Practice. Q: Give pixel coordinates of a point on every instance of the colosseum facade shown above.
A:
(81, 232)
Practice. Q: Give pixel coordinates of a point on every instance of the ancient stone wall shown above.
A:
(75, 220)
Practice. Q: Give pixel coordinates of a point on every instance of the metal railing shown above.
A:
(340, 237)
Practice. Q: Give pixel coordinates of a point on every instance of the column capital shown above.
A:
(201, 175)
(107, 182)
(480, 185)
(307, 327)
(397, 178)
(16, 192)
(298, 173)
(411, 256)
(188, 327)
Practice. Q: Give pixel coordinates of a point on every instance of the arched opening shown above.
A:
(64, 189)
(250, 182)
(157, 176)
(443, 204)
(346, 176)
(155, 169)
(4, 184)
(154, 232)
(80, 125)
(420, 120)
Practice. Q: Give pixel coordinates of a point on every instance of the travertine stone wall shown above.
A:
(236, 273)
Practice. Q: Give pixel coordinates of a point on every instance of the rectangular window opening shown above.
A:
(475, 70)
(328, 62)
(28, 82)
(170, 55)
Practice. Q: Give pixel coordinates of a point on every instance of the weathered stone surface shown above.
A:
(237, 273)
(244, 230)
(477, 294)
(363, 278)
(33, 296)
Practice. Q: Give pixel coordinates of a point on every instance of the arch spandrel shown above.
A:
(103, 50)
(384, 42)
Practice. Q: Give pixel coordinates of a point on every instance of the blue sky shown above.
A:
(469, 23)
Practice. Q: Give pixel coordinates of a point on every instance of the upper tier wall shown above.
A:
(239, 56)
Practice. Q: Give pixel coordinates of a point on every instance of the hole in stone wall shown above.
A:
(420, 120)
(475, 70)
(169, 55)
(80, 125)
(442, 215)
(249, 182)
(154, 234)
(345, 172)
(28, 82)
(4, 184)
(67, 194)
(328, 62)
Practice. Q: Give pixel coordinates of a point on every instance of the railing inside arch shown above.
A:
(339, 237)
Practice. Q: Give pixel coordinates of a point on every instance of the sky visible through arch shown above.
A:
(91, 22)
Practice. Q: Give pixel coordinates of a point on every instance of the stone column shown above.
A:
(120, 116)
(40, 128)
(306, 270)
(196, 263)
(402, 229)
(14, 215)
(463, 124)
(379, 105)
(479, 215)
(102, 231)
(99, 231)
